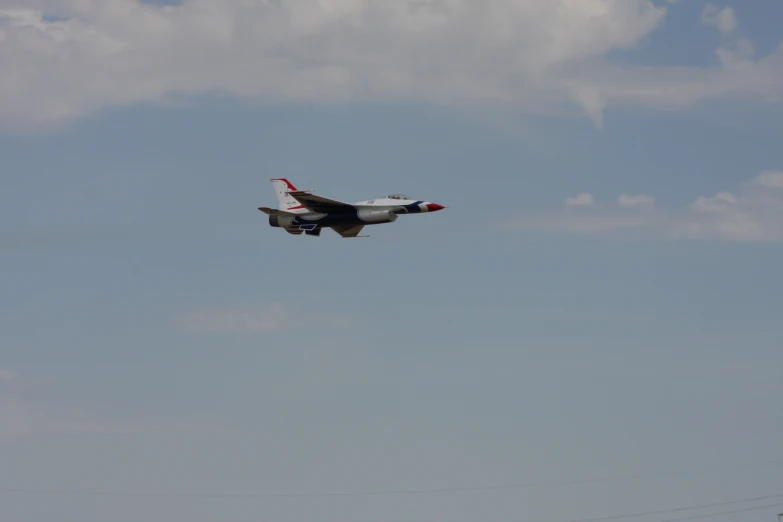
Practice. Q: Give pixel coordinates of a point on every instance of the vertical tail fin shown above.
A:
(282, 188)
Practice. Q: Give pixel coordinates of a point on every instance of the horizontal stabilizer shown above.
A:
(275, 212)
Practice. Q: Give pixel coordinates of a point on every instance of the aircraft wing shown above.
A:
(348, 230)
(315, 203)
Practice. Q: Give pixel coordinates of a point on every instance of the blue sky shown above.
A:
(601, 298)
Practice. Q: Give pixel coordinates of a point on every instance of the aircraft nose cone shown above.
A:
(432, 207)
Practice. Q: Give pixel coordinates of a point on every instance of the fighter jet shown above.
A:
(301, 211)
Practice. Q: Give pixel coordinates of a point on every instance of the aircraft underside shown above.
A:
(347, 224)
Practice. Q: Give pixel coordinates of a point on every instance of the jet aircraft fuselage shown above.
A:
(301, 211)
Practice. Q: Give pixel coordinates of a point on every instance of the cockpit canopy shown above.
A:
(398, 196)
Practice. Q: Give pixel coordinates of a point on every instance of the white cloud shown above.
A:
(724, 19)
(720, 202)
(533, 55)
(582, 200)
(770, 179)
(752, 213)
(235, 320)
(739, 54)
(629, 201)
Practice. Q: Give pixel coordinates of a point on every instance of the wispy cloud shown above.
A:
(772, 179)
(724, 19)
(537, 55)
(627, 200)
(265, 318)
(236, 320)
(753, 212)
(582, 200)
(22, 416)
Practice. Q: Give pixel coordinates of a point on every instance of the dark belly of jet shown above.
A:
(361, 217)
(329, 220)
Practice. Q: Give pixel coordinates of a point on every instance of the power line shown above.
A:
(757, 508)
(593, 519)
(689, 508)
(423, 491)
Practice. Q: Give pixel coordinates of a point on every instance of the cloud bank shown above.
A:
(753, 213)
(63, 59)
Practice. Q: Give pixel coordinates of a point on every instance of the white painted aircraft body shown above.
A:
(301, 211)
